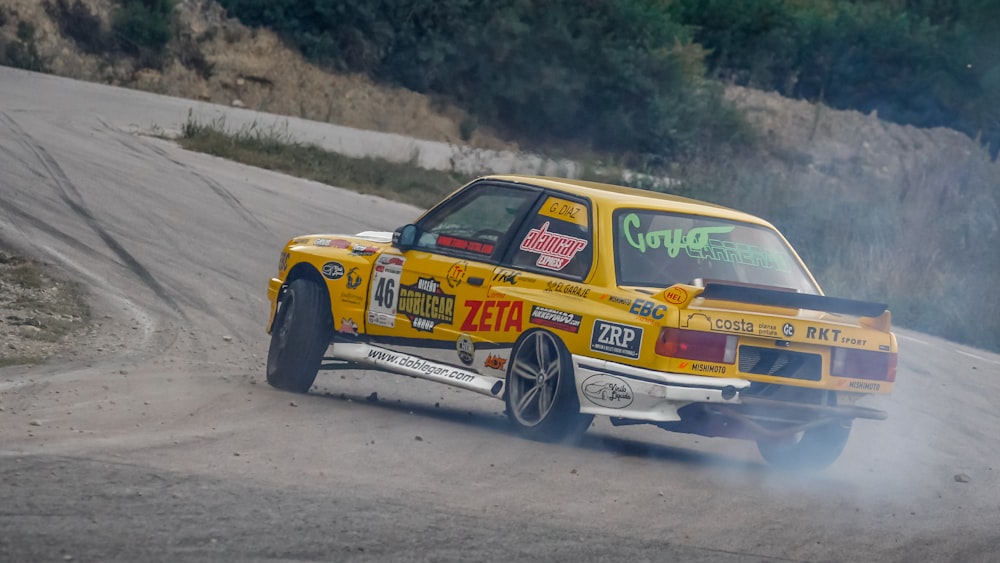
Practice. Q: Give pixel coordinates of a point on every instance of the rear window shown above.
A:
(658, 249)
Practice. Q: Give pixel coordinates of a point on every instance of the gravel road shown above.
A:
(158, 440)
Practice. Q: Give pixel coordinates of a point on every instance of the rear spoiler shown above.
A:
(791, 300)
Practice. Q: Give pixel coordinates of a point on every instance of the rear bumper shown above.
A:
(633, 393)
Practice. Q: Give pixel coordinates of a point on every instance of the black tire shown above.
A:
(541, 395)
(812, 450)
(301, 334)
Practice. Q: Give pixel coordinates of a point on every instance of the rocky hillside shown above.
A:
(914, 213)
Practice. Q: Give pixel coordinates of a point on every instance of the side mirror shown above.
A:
(405, 237)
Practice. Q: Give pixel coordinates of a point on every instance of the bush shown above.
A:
(77, 22)
(617, 75)
(23, 53)
(142, 29)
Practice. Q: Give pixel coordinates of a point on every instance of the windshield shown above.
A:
(659, 249)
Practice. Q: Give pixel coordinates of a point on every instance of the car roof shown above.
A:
(621, 196)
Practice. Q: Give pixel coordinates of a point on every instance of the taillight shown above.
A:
(695, 345)
(863, 364)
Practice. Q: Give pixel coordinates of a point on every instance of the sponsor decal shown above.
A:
(478, 247)
(555, 250)
(671, 240)
(426, 305)
(884, 347)
(767, 329)
(391, 261)
(703, 368)
(363, 250)
(645, 308)
(567, 288)
(385, 289)
(333, 270)
(348, 326)
(381, 319)
(864, 385)
(466, 349)
(283, 262)
(675, 295)
(553, 318)
(508, 277)
(824, 334)
(351, 298)
(616, 339)
(833, 335)
(616, 299)
(739, 326)
(607, 391)
(456, 274)
(332, 243)
(565, 210)
(493, 315)
(697, 321)
(419, 364)
(788, 330)
(353, 279)
(495, 362)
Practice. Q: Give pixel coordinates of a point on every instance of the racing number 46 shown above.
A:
(385, 292)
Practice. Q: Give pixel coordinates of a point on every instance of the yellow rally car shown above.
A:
(570, 299)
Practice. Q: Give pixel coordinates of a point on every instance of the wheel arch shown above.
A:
(302, 270)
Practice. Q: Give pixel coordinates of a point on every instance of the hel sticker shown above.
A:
(555, 250)
(385, 290)
(607, 391)
(565, 210)
(617, 339)
(675, 295)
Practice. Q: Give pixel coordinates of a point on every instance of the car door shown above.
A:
(432, 300)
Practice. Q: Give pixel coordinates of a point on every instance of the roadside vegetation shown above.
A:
(273, 148)
(37, 311)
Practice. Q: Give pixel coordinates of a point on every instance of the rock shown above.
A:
(418, 438)
(35, 423)
(293, 404)
(237, 103)
(373, 397)
(227, 338)
(962, 478)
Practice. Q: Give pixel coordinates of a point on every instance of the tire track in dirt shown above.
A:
(68, 192)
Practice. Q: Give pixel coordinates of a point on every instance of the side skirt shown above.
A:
(365, 354)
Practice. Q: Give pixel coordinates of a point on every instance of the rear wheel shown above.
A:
(301, 334)
(813, 449)
(541, 395)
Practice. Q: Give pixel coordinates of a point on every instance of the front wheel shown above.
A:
(301, 334)
(813, 450)
(541, 395)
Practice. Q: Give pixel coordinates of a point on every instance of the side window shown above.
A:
(477, 222)
(557, 240)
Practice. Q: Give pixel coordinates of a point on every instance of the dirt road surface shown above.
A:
(158, 439)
